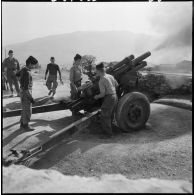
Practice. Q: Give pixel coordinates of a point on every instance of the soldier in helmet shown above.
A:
(107, 86)
(75, 76)
(10, 67)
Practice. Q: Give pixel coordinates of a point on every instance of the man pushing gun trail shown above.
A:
(107, 86)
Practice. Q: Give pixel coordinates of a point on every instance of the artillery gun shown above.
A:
(132, 111)
(133, 108)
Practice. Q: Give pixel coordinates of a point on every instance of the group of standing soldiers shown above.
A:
(107, 86)
(11, 69)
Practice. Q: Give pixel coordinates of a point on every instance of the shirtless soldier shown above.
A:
(75, 77)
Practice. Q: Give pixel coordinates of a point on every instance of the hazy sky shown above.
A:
(26, 21)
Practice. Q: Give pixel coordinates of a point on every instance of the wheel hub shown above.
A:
(134, 113)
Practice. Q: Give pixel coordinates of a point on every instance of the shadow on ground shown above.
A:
(17, 104)
(161, 149)
(160, 127)
(42, 135)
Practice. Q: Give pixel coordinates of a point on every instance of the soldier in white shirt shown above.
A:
(107, 86)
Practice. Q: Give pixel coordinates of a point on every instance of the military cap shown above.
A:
(77, 57)
(31, 60)
(100, 66)
(10, 51)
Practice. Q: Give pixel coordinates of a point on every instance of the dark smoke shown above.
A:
(182, 38)
(173, 22)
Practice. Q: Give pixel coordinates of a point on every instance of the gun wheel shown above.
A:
(133, 111)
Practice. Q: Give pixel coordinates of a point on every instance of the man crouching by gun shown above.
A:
(25, 79)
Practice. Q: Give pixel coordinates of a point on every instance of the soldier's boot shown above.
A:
(28, 128)
(50, 92)
(76, 114)
(53, 93)
(21, 125)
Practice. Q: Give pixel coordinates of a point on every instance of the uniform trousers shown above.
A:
(12, 79)
(107, 112)
(74, 94)
(25, 96)
(52, 83)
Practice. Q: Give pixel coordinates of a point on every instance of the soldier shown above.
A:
(75, 77)
(107, 86)
(10, 67)
(25, 79)
(51, 82)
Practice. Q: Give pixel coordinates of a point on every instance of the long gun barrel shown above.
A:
(129, 64)
(125, 61)
(141, 58)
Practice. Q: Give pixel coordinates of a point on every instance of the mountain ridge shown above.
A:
(104, 45)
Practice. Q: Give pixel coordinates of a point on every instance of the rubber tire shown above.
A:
(123, 108)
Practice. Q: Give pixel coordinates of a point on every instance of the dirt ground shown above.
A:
(162, 150)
